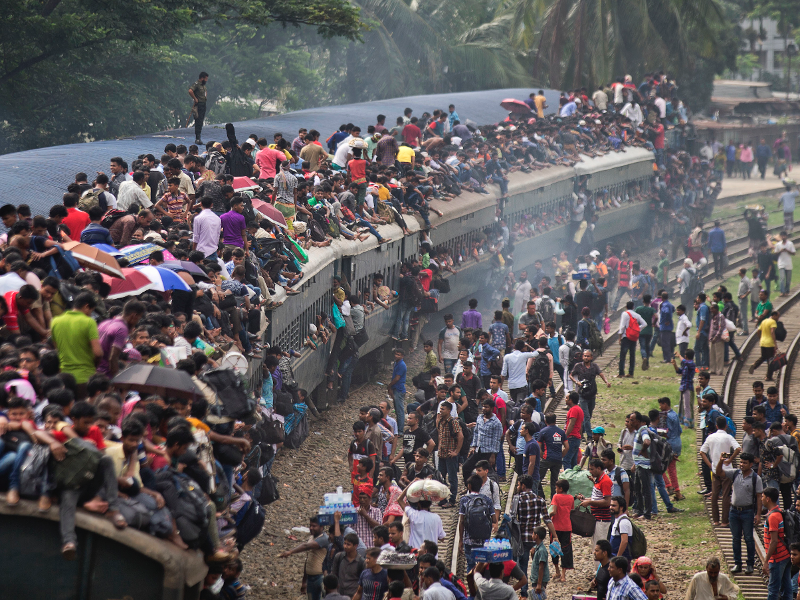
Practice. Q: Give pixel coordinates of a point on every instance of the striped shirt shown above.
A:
(625, 589)
(638, 447)
(603, 487)
(488, 434)
(774, 522)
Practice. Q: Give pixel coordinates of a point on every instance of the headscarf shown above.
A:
(645, 562)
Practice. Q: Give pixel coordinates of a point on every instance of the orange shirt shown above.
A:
(774, 522)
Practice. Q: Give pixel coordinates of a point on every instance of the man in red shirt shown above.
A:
(600, 502)
(778, 562)
(658, 143)
(412, 133)
(76, 219)
(573, 429)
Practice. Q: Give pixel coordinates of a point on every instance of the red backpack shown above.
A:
(632, 331)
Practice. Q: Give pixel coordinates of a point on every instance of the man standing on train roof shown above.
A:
(199, 95)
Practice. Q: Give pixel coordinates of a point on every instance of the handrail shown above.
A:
(510, 499)
(786, 372)
(456, 546)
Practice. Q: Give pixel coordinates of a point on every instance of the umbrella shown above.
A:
(259, 204)
(515, 106)
(90, 257)
(184, 265)
(273, 214)
(164, 279)
(134, 284)
(138, 252)
(108, 249)
(241, 184)
(151, 379)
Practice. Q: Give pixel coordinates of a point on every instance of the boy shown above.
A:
(233, 588)
(682, 330)
(374, 580)
(686, 388)
(430, 356)
(360, 448)
(174, 203)
(756, 399)
(15, 445)
(540, 573)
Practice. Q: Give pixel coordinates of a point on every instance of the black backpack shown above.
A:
(234, 401)
(791, 527)
(575, 356)
(251, 524)
(547, 312)
(282, 403)
(269, 489)
(540, 369)
(595, 338)
(298, 435)
(465, 446)
(317, 233)
(780, 332)
(478, 518)
(187, 504)
(660, 454)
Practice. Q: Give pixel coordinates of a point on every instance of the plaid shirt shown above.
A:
(531, 511)
(363, 528)
(488, 434)
(625, 589)
(448, 434)
(687, 375)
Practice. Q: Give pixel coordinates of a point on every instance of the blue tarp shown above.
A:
(40, 177)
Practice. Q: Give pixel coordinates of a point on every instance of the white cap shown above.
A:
(594, 253)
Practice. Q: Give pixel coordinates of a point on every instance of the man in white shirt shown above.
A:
(522, 293)
(514, 365)
(433, 590)
(785, 251)
(720, 444)
(131, 192)
(626, 344)
(206, 228)
(684, 277)
(682, 329)
(493, 586)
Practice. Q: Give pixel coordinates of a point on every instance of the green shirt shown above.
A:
(73, 333)
(199, 90)
(431, 360)
(663, 271)
(540, 555)
(764, 307)
(646, 312)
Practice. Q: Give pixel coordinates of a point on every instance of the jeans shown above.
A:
(667, 344)
(780, 580)
(104, 484)
(571, 457)
(346, 369)
(719, 258)
(449, 467)
(11, 463)
(314, 587)
(644, 346)
(625, 347)
(468, 548)
(766, 356)
(620, 292)
(732, 344)
(701, 351)
(400, 326)
(741, 522)
(658, 483)
(786, 280)
(449, 363)
(554, 466)
(587, 404)
(522, 560)
(200, 107)
(743, 313)
(642, 491)
(500, 463)
(400, 408)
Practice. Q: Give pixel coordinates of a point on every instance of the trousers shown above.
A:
(627, 346)
(104, 484)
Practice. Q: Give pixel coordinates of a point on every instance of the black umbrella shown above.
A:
(151, 379)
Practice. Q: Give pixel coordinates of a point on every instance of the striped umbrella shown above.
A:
(138, 253)
(164, 279)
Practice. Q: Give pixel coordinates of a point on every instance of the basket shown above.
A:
(346, 519)
(485, 555)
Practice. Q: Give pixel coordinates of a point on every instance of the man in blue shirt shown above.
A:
(730, 158)
(398, 388)
(703, 322)
(763, 154)
(553, 443)
(718, 247)
(666, 327)
(669, 420)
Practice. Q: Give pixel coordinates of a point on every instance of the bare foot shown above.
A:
(176, 539)
(96, 505)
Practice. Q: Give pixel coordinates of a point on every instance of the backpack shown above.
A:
(540, 369)
(787, 446)
(696, 285)
(660, 454)
(216, 162)
(317, 233)
(595, 338)
(298, 435)
(33, 473)
(632, 330)
(453, 578)
(575, 356)
(63, 264)
(269, 490)
(637, 543)
(187, 504)
(112, 214)
(89, 200)
(250, 524)
(509, 530)
(441, 284)
(478, 515)
(234, 402)
(467, 432)
(791, 527)
(547, 311)
(780, 331)
(731, 426)
(79, 465)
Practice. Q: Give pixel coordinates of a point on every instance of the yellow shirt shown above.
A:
(405, 154)
(766, 326)
(384, 193)
(117, 454)
(539, 102)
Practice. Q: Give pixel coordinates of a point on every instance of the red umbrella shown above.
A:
(259, 204)
(272, 214)
(135, 283)
(515, 106)
(244, 183)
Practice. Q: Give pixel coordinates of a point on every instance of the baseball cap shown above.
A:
(599, 430)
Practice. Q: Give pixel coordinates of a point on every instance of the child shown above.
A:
(682, 329)
(560, 507)
(686, 388)
(17, 442)
(239, 507)
(430, 356)
(396, 590)
(756, 399)
(596, 446)
(174, 203)
(233, 589)
(540, 573)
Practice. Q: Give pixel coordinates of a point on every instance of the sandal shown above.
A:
(69, 551)
(118, 520)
